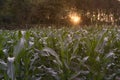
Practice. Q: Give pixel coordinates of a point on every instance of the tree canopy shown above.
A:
(56, 11)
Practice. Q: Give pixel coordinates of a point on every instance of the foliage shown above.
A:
(89, 53)
(55, 11)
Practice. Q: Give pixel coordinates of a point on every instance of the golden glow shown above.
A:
(75, 18)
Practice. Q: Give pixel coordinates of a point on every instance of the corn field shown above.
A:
(87, 53)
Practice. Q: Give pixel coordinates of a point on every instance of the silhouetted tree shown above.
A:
(55, 11)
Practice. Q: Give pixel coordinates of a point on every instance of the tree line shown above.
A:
(20, 12)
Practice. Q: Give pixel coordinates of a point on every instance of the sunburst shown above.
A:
(75, 18)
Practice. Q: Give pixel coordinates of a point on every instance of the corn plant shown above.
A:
(87, 53)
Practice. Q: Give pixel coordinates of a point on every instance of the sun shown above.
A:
(75, 18)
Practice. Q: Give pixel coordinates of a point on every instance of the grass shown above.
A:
(87, 53)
